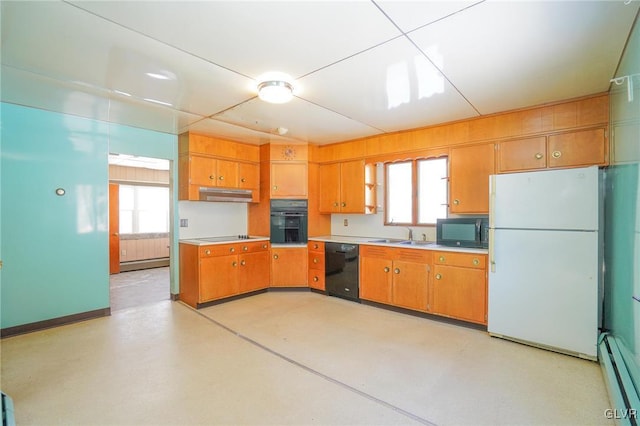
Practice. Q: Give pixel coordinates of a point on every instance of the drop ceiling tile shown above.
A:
(302, 120)
(507, 55)
(391, 87)
(409, 15)
(253, 37)
(83, 48)
(232, 132)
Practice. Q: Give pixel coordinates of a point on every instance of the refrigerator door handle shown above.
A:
(492, 201)
(492, 250)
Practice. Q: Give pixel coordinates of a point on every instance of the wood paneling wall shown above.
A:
(143, 249)
(134, 175)
(542, 120)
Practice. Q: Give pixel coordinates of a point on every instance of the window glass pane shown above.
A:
(126, 221)
(144, 209)
(399, 193)
(432, 190)
(126, 197)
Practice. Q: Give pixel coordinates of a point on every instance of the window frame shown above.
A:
(415, 190)
(135, 224)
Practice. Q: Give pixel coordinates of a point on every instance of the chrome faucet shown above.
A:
(410, 233)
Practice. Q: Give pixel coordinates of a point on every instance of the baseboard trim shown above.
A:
(137, 265)
(54, 322)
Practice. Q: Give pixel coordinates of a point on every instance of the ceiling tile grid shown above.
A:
(362, 67)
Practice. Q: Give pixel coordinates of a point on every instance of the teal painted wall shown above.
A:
(55, 249)
(622, 213)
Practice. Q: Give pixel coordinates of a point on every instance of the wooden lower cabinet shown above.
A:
(395, 276)
(254, 271)
(217, 271)
(316, 265)
(460, 286)
(289, 267)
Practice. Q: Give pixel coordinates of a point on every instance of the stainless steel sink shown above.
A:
(417, 243)
(385, 240)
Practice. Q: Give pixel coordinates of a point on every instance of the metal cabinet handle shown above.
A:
(207, 252)
(456, 202)
(243, 180)
(396, 271)
(275, 256)
(476, 262)
(245, 248)
(441, 258)
(212, 177)
(336, 204)
(538, 156)
(243, 262)
(221, 177)
(315, 260)
(344, 204)
(264, 246)
(275, 187)
(232, 249)
(315, 246)
(234, 264)
(386, 269)
(556, 154)
(438, 276)
(316, 279)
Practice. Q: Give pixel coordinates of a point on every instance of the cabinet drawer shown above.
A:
(376, 251)
(316, 261)
(253, 247)
(465, 260)
(413, 255)
(316, 279)
(316, 246)
(218, 250)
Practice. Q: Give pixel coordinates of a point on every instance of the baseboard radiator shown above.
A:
(624, 398)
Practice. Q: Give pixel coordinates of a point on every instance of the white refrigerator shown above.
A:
(545, 259)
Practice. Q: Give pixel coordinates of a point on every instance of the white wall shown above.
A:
(212, 219)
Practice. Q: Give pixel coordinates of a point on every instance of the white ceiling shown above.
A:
(363, 67)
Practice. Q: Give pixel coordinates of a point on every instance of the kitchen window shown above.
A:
(416, 191)
(144, 209)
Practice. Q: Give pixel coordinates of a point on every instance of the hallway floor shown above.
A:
(137, 288)
(294, 358)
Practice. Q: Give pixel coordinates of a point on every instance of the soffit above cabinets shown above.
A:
(363, 67)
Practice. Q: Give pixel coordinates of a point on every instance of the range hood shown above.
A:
(217, 194)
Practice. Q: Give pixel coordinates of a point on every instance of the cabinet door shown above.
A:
(288, 180)
(227, 174)
(375, 279)
(522, 154)
(352, 187)
(460, 293)
(202, 171)
(248, 176)
(329, 188)
(410, 283)
(254, 271)
(581, 148)
(289, 267)
(218, 277)
(469, 170)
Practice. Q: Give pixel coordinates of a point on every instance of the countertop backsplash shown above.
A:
(212, 219)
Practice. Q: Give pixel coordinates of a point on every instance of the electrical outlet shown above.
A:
(346, 222)
(184, 223)
(123, 252)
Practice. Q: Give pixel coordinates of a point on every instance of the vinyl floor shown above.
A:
(290, 358)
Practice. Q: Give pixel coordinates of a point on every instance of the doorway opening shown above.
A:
(139, 230)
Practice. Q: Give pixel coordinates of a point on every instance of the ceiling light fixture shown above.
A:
(275, 91)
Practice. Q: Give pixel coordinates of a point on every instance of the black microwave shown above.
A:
(463, 232)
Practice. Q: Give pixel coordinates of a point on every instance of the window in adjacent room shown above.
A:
(144, 209)
(416, 191)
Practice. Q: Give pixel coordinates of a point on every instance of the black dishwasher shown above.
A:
(341, 270)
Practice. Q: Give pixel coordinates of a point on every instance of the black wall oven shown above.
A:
(289, 221)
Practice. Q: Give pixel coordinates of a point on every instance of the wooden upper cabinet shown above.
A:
(347, 187)
(469, 171)
(329, 188)
(248, 176)
(289, 180)
(580, 148)
(522, 154)
(202, 171)
(227, 173)
(569, 149)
